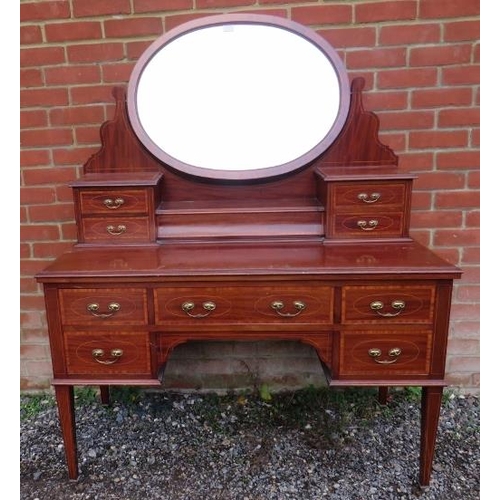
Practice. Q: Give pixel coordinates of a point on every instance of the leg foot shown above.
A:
(105, 397)
(431, 408)
(383, 392)
(66, 408)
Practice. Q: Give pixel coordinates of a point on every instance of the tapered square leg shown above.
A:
(383, 393)
(66, 406)
(105, 394)
(431, 409)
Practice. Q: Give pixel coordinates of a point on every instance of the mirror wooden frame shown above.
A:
(296, 163)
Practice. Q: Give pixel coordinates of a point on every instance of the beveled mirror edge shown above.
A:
(240, 175)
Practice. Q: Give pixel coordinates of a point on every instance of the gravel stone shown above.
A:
(301, 445)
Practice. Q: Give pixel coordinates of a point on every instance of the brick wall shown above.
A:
(420, 59)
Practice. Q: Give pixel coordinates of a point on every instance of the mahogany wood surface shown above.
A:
(286, 258)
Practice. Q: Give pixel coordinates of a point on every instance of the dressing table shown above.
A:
(241, 193)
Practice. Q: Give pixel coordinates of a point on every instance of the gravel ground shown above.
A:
(303, 445)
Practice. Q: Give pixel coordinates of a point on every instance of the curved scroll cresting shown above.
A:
(358, 144)
(120, 149)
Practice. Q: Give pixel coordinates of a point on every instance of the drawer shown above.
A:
(90, 306)
(365, 196)
(117, 230)
(382, 354)
(244, 305)
(113, 201)
(101, 353)
(388, 304)
(369, 225)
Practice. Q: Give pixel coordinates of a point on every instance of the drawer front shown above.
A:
(116, 230)
(382, 354)
(388, 304)
(106, 306)
(359, 196)
(370, 225)
(113, 201)
(101, 353)
(244, 305)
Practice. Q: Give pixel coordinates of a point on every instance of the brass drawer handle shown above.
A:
(116, 231)
(278, 305)
(394, 353)
(93, 308)
(368, 226)
(115, 354)
(113, 204)
(378, 305)
(374, 197)
(208, 306)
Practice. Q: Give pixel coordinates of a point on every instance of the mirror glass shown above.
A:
(238, 97)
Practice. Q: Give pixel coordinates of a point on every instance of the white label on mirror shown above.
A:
(238, 97)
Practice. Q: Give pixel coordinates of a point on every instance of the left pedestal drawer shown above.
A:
(107, 353)
(106, 306)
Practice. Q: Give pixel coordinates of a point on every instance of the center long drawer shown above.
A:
(258, 305)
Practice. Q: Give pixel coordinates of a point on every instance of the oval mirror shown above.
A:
(238, 97)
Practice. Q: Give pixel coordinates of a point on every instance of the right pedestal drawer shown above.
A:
(388, 304)
(383, 354)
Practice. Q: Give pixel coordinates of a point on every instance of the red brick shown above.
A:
(471, 255)
(458, 117)
(461, 31)
(47, 213)
(41, 56)
(468, 293)
(440, 55)
(39, 11)
(385, 11)
(474, 179)
(440, 180)
(475, 137)
(414, 162)
(397, 142)
(461, 75)
(378, 101)
(438, 139)
(30, 78)
(263, 2)
(30, 34)
(72, 156)
(322, 14)
(30, 267)
(31, 195)
(28, 285)
(33, 118)
(91, 94)
(421, 236)
(451, 255)
(76, 115)
(204, 4)
(46, 137)
(349, 37)
(96, 52)
(33, 351)
(458, 159)
(471, 273)
(39, 232)
(448, 8)
(407, 77)
(87, 135)
(89, 8)
(130, 27)
(68, 231)
(407, 34)
(376, 58)
(430, 98)
(81, 30)
(465, 329)
(43, 97)
(117, 72)
(51, 249)
(73, 75)
(476, 53)
(31, 319)
(368, 76)
(421, 200)
(457, 199)
(463, 347)
(178, 19)
(161, 5)
(406, 120)
(64, 193)
(463, 363)
(37, 157)
(48, 176)
(134, 50)
(440, 219)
